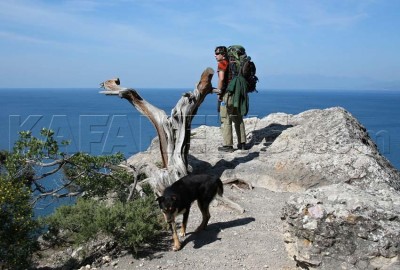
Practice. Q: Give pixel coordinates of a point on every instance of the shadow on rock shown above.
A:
(222, 165)
(269, 133)
(210, 234)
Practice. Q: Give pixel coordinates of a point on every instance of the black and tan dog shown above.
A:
(178, 198)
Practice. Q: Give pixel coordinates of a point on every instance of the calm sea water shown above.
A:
(101, 124)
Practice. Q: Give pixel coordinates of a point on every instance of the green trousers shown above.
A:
(230, 115)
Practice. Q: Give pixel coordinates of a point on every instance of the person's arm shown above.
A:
(221, 75)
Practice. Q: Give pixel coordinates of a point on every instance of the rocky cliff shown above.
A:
(344, 212)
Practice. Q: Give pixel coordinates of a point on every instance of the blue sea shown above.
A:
(101, 124)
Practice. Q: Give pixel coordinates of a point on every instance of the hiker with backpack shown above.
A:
(228, 112)
(236, 78)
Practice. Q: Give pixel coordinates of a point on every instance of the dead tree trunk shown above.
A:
(173, 131)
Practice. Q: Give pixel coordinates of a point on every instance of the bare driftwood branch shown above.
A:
(173, 131)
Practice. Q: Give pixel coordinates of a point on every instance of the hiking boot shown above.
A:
(226, 148)
(241, 146)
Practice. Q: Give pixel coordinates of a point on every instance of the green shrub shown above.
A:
(23, 174)
(130, 224)
(17, 227)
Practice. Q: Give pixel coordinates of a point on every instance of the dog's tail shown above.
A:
(220, 189)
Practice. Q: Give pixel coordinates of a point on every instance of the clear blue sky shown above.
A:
(305, 44)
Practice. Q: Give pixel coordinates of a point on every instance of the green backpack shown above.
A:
(241, 64)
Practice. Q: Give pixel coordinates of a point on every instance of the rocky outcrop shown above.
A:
(344, 227)
(345, 209)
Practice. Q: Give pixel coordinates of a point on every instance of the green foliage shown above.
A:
(29, 149)
(94, 175)
(130, 224)
(32, 161)
(147, 189)
(17, 227)
(35, 148)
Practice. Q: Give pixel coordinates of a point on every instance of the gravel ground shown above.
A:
(252, 240)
